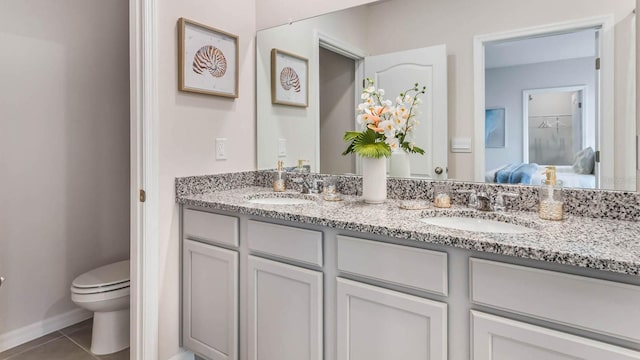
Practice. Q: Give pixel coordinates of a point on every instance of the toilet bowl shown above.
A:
(105, 292)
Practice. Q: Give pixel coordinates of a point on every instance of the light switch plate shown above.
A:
(221, 148)
(461, 145)
(282, 147)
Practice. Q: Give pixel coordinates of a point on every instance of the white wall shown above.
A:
(456, 22)
(299, 126)
(188, 126)
(277, 12)
(504, 86)
(64, 150)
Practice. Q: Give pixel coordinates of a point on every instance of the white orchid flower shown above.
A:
(393, 143)
(361, 120)
(399, 121)
(387, 126)
(381, 92)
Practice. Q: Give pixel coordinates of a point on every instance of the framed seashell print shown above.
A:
(289, 79)
(207, 60)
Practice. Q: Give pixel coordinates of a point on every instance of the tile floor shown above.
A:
(72, 343)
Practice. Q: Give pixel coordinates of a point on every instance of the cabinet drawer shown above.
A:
(286, 242)
(494, 337)
(401, 265)
(600, 306)
(208, 227)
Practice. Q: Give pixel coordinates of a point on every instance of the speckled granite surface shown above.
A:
(599, 243)
(615, 205)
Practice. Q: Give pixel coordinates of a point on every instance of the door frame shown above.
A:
(144, 217)
(350, 51)
(604, 107)
(525, 113)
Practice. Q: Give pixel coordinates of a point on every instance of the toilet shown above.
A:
(105, 292)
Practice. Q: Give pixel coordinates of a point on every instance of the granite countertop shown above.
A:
(604, 244)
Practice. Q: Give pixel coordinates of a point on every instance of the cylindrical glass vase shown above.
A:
(399, 165)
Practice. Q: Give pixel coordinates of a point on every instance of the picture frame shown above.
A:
(495, 128)
(289, 79)
(207, 60)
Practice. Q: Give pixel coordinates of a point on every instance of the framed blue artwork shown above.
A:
(494, 128)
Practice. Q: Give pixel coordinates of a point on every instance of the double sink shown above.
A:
(459, 219)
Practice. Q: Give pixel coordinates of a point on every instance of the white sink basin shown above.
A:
(281, 199)
(477, 225)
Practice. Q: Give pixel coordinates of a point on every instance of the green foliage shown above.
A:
(366, 144)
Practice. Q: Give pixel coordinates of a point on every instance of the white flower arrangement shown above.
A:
(386, 126)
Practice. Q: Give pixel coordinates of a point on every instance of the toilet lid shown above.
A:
(101, 289)
(111, 274)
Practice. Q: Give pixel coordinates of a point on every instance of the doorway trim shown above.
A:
(143, 69)
(604, 110)
(322, 40)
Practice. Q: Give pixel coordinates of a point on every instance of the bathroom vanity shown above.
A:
(349, 281)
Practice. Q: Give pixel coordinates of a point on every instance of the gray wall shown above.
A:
(64, 150)
(504, 88)
(337, 109)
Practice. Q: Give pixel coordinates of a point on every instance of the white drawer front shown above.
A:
(401, 265)
(208, 227)
(286, 242)
(600, 306)
(496, 338)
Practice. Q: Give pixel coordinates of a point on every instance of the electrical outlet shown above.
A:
(221, 148)
(282, 147)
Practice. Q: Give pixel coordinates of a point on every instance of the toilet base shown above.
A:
(110, 332)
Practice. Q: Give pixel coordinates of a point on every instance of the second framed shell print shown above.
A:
(289, 79)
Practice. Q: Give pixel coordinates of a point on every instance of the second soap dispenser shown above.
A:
(279, 178)
(551, 201)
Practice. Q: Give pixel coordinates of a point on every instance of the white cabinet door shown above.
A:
(285, 312)
(497, 338)
(380, 324)
(210, 301)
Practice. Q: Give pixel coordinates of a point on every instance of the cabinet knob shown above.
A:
(438, 170)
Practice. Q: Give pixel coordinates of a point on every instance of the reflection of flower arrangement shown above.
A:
(385, 126)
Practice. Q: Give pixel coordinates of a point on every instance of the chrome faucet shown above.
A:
(499, 203)
(482, 201)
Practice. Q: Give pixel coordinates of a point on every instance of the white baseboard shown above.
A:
(25, 334)
(183, 355)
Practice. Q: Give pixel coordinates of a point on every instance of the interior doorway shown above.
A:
(337, 110)
(587, 43)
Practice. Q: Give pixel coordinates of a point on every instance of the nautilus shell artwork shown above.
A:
(211, 59)
(289, 79)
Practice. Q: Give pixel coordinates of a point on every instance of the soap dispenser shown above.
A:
(551, 201)
(302, 168)
(278, 178)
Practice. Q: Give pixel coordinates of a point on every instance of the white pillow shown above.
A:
(585, 161)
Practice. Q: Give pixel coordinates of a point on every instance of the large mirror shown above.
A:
(489, 67)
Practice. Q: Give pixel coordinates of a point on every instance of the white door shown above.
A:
(285, 312)
(210, 300)
(497, 338)
(380, 324)
(399, 71)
